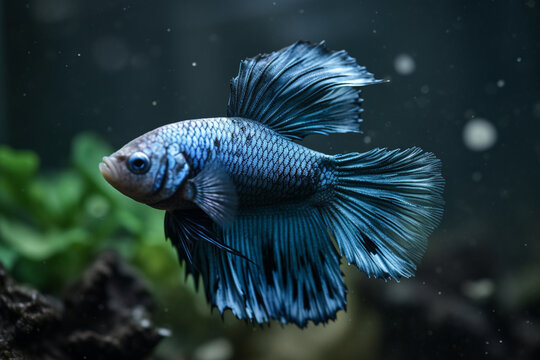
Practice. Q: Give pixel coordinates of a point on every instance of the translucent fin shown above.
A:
(294, 276)
(300, 90)
(213, 191)
(386, 205)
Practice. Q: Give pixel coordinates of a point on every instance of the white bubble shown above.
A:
(194, 64)
(404, 64)
(500, 83)
(367, 139)
(111, 53)
(479, 134)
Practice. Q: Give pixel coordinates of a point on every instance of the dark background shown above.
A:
(121, 68)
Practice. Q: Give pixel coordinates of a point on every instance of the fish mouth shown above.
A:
(108, 169)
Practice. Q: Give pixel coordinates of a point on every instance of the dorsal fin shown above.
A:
(300, 90)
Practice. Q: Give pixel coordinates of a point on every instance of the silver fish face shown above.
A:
(147, 170)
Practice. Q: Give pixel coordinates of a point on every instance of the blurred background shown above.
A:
(81, 78)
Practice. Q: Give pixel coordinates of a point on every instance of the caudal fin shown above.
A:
(386, 204)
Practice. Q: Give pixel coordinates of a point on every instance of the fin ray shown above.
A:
(213, 191)
(386, 204)
(186, 228)
(295, 274)
(300, 90)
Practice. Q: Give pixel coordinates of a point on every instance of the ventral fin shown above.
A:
(300, 90)
(187, 229)
(213, 191)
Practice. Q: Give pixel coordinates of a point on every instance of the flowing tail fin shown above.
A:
(386, 204)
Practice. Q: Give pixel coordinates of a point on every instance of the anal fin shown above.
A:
(294, 275)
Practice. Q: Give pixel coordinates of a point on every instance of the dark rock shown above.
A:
(106, 315)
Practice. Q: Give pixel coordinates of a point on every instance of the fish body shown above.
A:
(255, 214)
(265, 167)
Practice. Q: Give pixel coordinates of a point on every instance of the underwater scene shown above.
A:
(218, 180)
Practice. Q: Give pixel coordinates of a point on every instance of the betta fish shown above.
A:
(263, 220)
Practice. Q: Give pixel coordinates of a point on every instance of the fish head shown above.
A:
(147, 169)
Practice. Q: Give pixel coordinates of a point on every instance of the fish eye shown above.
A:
(139, 163)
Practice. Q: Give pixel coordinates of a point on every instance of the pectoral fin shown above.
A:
(213, 191)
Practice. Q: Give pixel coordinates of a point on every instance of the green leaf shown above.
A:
(18, 163)
(7, 256)
(56, 199)
(37, 245)
(88, 150)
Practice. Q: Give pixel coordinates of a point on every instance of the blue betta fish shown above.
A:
(256, 215)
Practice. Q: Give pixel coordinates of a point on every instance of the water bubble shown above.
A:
(194, 64)
(519, 59)
(404, 64)
(500, 83)
(424, 89)
(479, 134)
(111, 53)
(367, 139)
(154, 103)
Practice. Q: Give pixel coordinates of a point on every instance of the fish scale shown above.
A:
(265, 167)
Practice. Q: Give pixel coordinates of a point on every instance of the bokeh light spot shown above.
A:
(479, 134)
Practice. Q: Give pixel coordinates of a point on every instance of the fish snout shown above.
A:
(108, 167)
